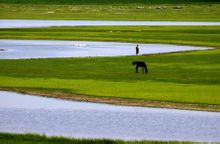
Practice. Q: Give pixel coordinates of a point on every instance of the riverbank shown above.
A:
(10, 138)
(59, 94)
(187, 80)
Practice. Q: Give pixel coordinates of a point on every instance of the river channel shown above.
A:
(20, 49)
(31, 114)
(6, 23)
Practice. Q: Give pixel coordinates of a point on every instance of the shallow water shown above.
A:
(5, 23)
(17, 49)
(30, 114)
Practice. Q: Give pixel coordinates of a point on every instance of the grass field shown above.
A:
(186, 78)
(188, 35)
(6, 138)
(106, 1)
(190, 78)
(120, 11)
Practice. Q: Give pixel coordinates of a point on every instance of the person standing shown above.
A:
(137, 50)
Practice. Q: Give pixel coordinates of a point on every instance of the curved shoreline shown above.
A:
(58, 94)
(119, 101)
(66, 49)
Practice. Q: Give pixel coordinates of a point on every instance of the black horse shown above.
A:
(140, 64)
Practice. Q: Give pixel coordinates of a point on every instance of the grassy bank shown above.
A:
(186, 78)
(111, 11)
(83, 2)
(190, 35)
(6, 138)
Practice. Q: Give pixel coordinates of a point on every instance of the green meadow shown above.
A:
(108, 10)
(186, 80)
(179, 78)
(190, 77)
(82, 2)
(6, 138)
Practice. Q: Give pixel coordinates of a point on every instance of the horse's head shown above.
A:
(134, 63)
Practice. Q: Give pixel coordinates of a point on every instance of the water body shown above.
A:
(30, 114)
(5, 23)
(19, 49)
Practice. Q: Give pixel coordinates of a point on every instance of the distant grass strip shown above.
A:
(9, 138)
(188, 35)
(110, 11)
(104, 1)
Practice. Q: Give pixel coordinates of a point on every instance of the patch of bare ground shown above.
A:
(60, 94)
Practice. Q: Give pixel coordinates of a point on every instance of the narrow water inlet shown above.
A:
(16, 23)
(31, 114)
(21, 49)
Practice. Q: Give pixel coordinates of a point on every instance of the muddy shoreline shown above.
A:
(114, 101)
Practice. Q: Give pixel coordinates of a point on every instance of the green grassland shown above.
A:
(6, 138)
(187, 35)
(191, 77)
(120, 11)
(182, 78)
(186, 78)
(105, 1)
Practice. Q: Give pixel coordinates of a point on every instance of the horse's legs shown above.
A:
(146, 70)
(136, 69)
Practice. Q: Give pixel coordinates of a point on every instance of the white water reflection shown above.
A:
(5, 23)
(17, 49)
(30, 114)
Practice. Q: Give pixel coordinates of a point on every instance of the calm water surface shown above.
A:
(6, 23)
(17, 49)
(30, 114)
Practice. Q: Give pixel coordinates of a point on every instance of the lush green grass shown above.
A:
(191, 77)
(6, 138)
(143, 11)
(191, 35)
(105, 1)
